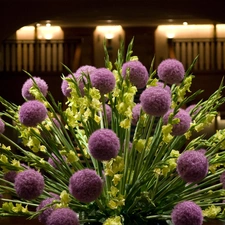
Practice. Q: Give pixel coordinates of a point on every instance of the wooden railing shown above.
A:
(39, 55)
(211, 52)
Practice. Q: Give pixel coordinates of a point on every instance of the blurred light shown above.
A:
(185, 23)
(109, 31)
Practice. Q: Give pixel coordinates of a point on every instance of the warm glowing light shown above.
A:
(185, 23)
(171, 31)
(48, 25)
(109, 31)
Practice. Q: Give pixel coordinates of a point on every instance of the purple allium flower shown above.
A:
(138, 73)
(65, 87)
(222, 179)
(56, 122)
(2, 126)
(10, 176)
(52, 162)
(85, 185)
(63, 216)
(32, 112)
(86, 69)
(47, 212)
(192, 166)
(29, 184)
(171, 71)
(103, 80)
(191, 107)
(183, 125)
(203, 151)
(42, 85)
(136, 113)
(187, 213)
(108, 112)
(104, 144)
(162, 85)
(155, 101)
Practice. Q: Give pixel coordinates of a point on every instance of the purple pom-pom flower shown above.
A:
(192, 166)
(155, 101)
(85, 185)
(187, 213)
(136, 113)
(29, 184)
(103, 80)
(104, 144)
(43, 216)
(108, 110)
(10, 176)
(183, 125)
(80, 81)
(63, 216)
(32, 112)
(87, 69)
(138, 73)
(171, 71)
(42, 85)
(2, 126)
(162, 85)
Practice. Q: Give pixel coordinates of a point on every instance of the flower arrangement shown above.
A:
(104, 157)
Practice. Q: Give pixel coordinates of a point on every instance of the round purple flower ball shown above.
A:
(10, 176)
(87, 69)
(108, 110)
(138, 73)
(103, 80)
(32, 112)
(192, 166)
(2, 126)
(85, 185)
(29, 184)
(136, 113)
(54, 160)
(155, 101)
(65, 86)
(42, 85)
(190, 108)
(63, 216)
(43, 216)
(187, 213)
(171, 71)
(183, 125)
(162, 85)
(104, 144)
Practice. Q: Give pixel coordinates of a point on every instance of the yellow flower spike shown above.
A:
(113, 221)
(166, 130)
(117, 178)
(157, 171)
(8, 148)
(17, 208)
(199, 127)
(72, 157)
(16, 163)
(43, 148)
(114, 191)
(4, 158)
(125, 123)
(65, 199)
(188, 135)
(212, 211)
(7, 206)
(140, 145)
(112, 204)
(175, 153)
(97, 119)
(165, 170)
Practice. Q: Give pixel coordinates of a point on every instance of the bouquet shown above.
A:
(124, 148)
